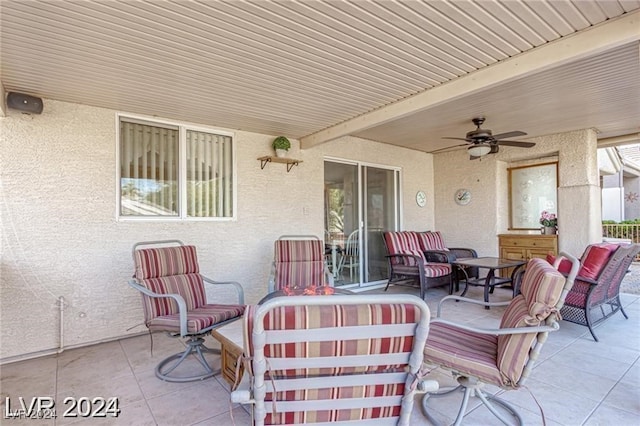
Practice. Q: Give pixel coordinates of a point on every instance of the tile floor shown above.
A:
(577, 381)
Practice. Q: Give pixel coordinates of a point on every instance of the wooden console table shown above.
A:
(525, 247)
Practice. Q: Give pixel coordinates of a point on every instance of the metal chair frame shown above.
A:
(194, 341)
(472, 386)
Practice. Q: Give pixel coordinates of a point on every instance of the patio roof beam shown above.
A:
(600, 38)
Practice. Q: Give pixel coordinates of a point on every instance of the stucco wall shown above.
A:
(60, 236)
(477, 224)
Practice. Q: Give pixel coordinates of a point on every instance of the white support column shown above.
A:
(579, 196)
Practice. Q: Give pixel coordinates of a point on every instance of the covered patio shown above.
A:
(372, 86)
(577, 381)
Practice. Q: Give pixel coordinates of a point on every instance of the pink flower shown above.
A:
(548, 219)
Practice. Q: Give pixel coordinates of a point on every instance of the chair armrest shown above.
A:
(468, 300)
(584, 280)
(235, 284)
(463, 252)
(439, 256)
(500, 331)
(182, 305)
(415, 261)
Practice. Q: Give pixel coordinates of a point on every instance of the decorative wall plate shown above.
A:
(463, 197)
(421, 198)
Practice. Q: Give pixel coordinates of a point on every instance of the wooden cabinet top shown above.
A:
(528, 240)
(536, 236)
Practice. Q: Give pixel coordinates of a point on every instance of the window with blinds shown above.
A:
(173, 171)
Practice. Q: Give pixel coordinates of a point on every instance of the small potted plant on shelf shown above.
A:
(282, 145)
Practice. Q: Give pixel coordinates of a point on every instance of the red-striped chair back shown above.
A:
(169, 270)
(349, 354)
(298, 264)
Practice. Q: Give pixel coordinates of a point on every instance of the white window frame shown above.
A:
(182, 171)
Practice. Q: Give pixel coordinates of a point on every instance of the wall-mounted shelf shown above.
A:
(290, 162)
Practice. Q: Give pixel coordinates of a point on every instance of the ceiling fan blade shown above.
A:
(446, 148)
(458, 139)
(513, 134)
(516, 143)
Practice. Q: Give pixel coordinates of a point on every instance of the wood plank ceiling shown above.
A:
(319, 69)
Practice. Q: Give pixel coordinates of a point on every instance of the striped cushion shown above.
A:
(513, 350)
(418, 253)
(463, 351)
(165, 261)
(431, 240)
(198, 319)
(298, 250)
(433, 270)
(541, 289)
(314, 317)
(299, 275)
(299, 264)
(398, 241)
(189, 286)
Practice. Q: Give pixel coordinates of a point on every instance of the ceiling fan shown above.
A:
(483, 142)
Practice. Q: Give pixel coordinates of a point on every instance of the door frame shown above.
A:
(397, 190)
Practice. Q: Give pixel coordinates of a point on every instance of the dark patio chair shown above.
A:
(422, 257)
(595, 295)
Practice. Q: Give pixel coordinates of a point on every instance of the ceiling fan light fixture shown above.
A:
(479, 150)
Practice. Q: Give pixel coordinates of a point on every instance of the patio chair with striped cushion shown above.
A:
(174, 301)
(299, 262)
(504, 356)
(338, 360)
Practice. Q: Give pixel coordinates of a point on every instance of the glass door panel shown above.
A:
(379, 215)
(360, 203)
(342, 221)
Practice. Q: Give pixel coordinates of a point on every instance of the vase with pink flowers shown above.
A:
(549, 222)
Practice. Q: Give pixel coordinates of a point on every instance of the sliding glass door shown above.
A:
(361, 201)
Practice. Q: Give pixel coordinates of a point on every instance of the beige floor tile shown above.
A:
(624, 396)
(103, 361)
(632, 376)
(563, 406)
(27, 379)
(124, 388)
(190, 405)
(606, 415)
(137, 414)
(240, 417)
(142, 356)
(151, 386)
(616, 353)
(590, 362)
(575, 379)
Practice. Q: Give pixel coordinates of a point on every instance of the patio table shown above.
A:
(490, 281)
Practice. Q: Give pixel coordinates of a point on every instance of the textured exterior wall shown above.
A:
(631, 198)
(477, 224)
(60, 236)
